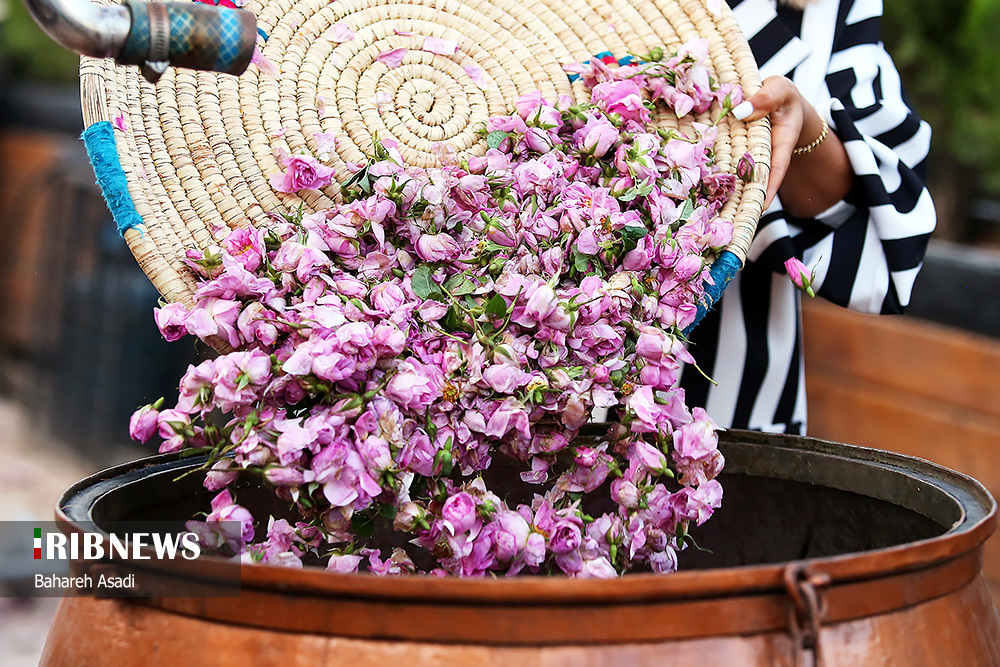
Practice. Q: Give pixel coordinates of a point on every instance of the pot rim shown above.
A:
(977, 522)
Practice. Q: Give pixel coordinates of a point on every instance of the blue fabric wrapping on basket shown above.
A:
(99, 140)
(723, 270)
(606, 56)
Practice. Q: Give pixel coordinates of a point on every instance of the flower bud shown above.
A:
(408, 517)
(437, 248)
(144, 423)
(745, 168)
(800, 276)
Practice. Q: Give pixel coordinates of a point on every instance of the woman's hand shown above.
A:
(809, 183)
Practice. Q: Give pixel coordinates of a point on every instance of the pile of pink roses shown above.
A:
(385, 352)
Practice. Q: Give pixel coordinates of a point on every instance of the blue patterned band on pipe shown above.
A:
(206, 37)
(723, 270)
(99, 139)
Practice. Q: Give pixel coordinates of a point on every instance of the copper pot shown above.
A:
(822, 554)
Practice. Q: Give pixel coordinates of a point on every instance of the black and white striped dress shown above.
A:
(865, 250)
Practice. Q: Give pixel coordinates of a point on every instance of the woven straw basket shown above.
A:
(193, 154)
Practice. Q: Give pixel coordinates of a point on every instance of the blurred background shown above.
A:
(79, 350)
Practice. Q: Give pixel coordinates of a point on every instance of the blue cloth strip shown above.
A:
(99, 140)
(723, 270)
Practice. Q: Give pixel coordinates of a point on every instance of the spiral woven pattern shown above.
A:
(198, 148)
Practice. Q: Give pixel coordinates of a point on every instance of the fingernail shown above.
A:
(742, 110)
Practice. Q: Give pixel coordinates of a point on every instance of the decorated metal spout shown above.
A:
(153, 35)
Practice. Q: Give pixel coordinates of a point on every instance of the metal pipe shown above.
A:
(82, 26)
(152, 35)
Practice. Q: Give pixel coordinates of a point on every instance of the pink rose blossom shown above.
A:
(302, 172)
(171, 320)
(565, 537)
(459, 513)
(415, 388)
(597, 137)
(247, 246)
(344, 563)
(215, 318)
(221, 475)
(623, 98)
(225, 509)
(389, 348)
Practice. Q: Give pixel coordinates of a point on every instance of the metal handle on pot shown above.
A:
(152, 35)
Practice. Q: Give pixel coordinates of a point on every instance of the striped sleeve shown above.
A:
(868, 249)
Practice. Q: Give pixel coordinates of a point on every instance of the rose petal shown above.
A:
(326, 142)
(263, 64)
(477, 75)
(393, 58)
(340, 33)
(444, 47)
(404, 33)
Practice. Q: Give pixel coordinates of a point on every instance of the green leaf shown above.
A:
(459, 284)
(638, 190)
(497, 306)
(628, 195)
(580, 261)
(387, 511)
(637, 287)
(687, 210)
(443, 462)
(422, 283)
(634, 232)
(495, 138)
(363, 525)
(454, 320)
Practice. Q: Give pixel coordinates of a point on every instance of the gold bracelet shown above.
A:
(809, 148)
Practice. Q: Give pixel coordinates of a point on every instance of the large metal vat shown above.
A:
(822, 554)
